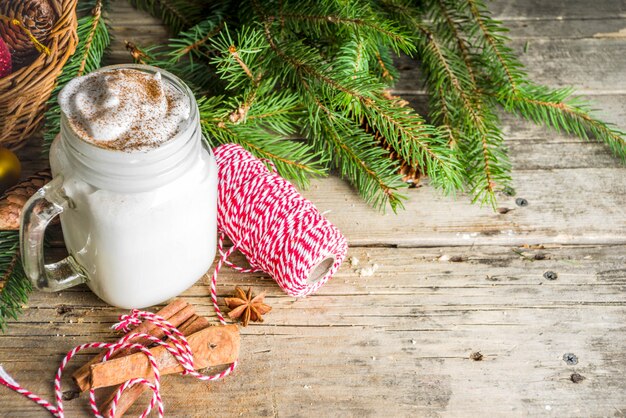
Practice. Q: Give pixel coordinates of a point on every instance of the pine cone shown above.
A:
(13, 200)
(410, 175)
(38, 16)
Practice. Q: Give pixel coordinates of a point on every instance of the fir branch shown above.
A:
(481, 140)
(359, 62)
(383, 67)
(93, 40)
(440, 65)
(239, 58)
(304, 64)
(389, 35)
(293, 160)
(385, 72)
(197, 43)
(232, 50)
(14, 285)
(405, 130)
(485, 157)
(199, 76)
(190, 43)
(488, 34)
(265, 132)
(419, 144)
(557, 108)
(335, 59)
(440, 9)
(364, 163)
(467, 118)
(355, 153)
(324, 25)
(357, 156)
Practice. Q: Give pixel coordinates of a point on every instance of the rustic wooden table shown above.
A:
(393, 332)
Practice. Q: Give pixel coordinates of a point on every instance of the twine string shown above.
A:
(180, 349)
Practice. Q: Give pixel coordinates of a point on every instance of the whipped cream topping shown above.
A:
(124, 109)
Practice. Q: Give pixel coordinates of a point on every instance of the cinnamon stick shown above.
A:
(210, 347)
(177, 312)
(194, 324)
(129, 396)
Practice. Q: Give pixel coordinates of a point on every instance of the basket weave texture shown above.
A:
(24, 93)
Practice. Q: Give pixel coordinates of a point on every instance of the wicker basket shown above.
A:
(24, 93)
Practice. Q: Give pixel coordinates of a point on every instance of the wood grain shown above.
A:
(396, 340)
(392, 333)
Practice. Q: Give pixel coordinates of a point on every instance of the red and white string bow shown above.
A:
(180, 349)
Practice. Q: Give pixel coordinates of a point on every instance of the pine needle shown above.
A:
(94, 39)
(559, 109)
(14, 286)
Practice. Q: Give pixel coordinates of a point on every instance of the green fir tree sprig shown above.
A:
(318, 70)
(14, 285)
(93, 40)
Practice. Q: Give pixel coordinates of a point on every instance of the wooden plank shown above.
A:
(564, 206)
(563, 29)
(557, 10)
(395, 341)
(131, 25)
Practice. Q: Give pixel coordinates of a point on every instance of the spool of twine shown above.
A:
(278, 231)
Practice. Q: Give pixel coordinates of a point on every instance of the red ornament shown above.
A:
(5, 59)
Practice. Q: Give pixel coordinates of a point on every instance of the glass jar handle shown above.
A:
(39, 210)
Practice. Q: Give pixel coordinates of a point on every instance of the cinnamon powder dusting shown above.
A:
(124, 109)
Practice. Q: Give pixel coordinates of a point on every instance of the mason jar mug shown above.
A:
(139, 225)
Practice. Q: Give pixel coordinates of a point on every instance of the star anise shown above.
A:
(246, 308)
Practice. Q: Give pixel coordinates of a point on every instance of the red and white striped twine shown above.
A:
(180, 350)
(272, 224)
